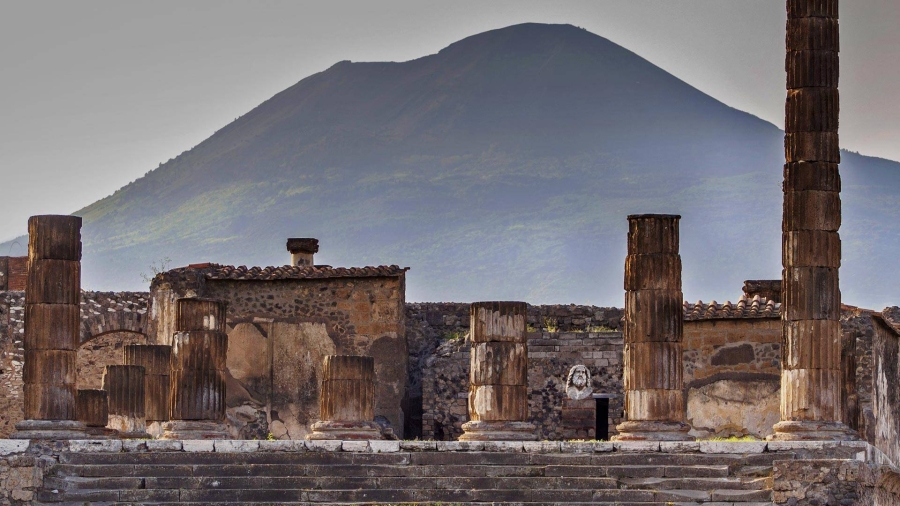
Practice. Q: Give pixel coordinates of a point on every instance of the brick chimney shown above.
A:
(302, 250)
(765, 288)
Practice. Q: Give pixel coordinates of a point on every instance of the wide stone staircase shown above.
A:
(232, 473)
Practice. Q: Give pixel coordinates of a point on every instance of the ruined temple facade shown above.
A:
(281, 323)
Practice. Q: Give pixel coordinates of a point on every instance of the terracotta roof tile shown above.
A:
(230, 272)
(756, 307)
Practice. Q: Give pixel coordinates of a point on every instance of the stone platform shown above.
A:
(426, 472)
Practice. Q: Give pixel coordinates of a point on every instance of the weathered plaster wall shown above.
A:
(732, 376)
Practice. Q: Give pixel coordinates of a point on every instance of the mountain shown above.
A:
(502, 167)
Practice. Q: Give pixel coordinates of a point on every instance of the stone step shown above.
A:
(426, 459)
(501, 496)
(149, 470)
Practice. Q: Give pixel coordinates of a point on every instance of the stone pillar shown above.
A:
(654, 327)
(92, 408)
(197, 376)
(498, 374)
(347, 399)
(157, 362)
(124, 385)
(811, 245)
(52, 329)
(302, 250)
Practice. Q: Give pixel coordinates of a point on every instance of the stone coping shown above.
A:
(866, 452)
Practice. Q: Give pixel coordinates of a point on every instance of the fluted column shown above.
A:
(498, 374)
(197, 375)
(157, 362)
(654, 328)
(347, 399)
(124, 385)
(52, 329)
(811, 246)
(92, 409)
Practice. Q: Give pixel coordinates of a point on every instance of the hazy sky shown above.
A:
(93, 94)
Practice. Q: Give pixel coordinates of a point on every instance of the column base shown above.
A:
(812, 431)
(50, 429)
(653, 431)
(194, 429)
(331, 430)
(498, 431)
(102, 433)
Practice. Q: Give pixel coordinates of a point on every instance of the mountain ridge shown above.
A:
(510, 156)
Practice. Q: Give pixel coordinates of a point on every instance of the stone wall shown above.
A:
(103, 316)
(886, 395)
(816, 482)
(550, 357)
(732, 376)
(279, 332)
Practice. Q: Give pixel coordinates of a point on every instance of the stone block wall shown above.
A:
(732, 376)
(551, 355)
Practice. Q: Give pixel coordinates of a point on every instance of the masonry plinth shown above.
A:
(498, 385)
(197, 375)
(811, 377)
(654, 328)
(52, 329)
(92, 407)
(347, 399)
(124, 385)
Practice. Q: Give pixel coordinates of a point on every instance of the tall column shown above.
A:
(124, 385)
(92, 408)
(654, 328)
(811, 246)
(52, 328)
(347, 399)
(498, 374)
(197, 377)
(157, 362)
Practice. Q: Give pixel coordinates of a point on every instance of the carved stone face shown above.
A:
(578, 384)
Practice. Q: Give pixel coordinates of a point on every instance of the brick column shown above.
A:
(347, 399)
(92, 408)
(124, 385)
(498, 374)
(654, 327)
(197, 376)
(811, 246)
(52, 329)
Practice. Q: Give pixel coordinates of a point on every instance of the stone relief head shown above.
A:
(578, 383)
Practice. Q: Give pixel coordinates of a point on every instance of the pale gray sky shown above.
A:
(93, 94)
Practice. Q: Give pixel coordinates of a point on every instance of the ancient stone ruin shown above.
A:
(52, 295)
(498, 391)
(347, 405)
(654, 383)
(292, 384)
(811, 247)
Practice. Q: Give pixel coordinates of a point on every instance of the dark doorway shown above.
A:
(601, 429)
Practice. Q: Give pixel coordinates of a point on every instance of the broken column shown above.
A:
(498, 374)
(52, 329)
(811, 245)
(654, 327)
(302, 250)
(124, 385)
(197, 375)
(347, 399)
(156, 361)
(92, 409)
